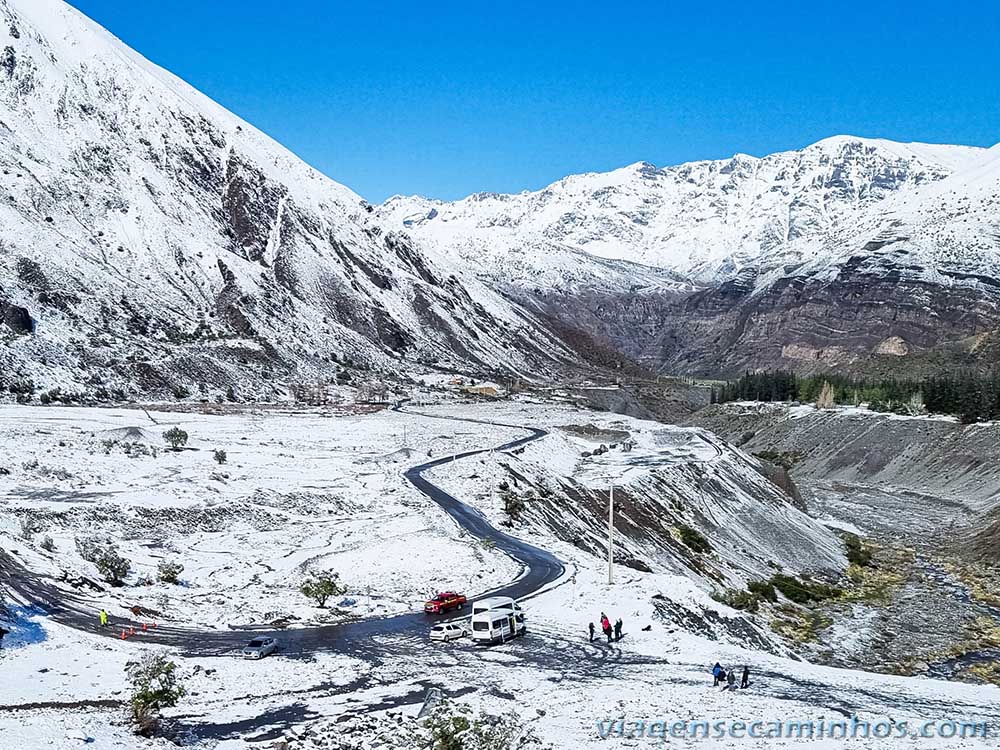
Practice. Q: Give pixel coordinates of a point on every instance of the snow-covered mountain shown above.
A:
(916, 272)
(813, 259)
(150, 238)
(704, 220)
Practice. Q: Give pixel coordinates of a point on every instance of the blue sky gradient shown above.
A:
(450, 98)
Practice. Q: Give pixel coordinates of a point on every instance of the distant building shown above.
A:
(490, 390)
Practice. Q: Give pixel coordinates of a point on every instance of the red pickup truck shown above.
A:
(443, 602)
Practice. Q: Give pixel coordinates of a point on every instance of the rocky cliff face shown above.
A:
(930, 456)
(149, 238)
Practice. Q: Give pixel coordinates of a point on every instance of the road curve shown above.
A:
(539, 569)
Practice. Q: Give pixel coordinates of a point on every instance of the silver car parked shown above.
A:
(258, 648)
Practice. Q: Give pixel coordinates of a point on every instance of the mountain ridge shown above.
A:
(776, 261)
(155, 240)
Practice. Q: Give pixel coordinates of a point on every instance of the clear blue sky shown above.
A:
(448, 98)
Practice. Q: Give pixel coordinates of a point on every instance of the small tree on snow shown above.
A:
(155, 686)
(176, 438)
(220, 456)
(29, 527)
(168, 571)
(112, 566)
(321, 586)
(513, 504)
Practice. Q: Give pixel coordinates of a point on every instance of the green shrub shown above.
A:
(513, 504)
(737, 599)
(694, 539)
(857, 552)
(791, 588)
(220, 456)
(802, 592)
(763, 589)
(155, 685)
(169, 571)
(112, 566)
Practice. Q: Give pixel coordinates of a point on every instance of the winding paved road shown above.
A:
(539, 569)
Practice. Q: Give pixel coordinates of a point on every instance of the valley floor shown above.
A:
(305, 491)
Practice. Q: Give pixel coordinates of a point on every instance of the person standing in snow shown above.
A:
(103, 617)
(591, 626)
(731, 680)
(745, 682)
(718, 674)
(618, 629)
(606, 626)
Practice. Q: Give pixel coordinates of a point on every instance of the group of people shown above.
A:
(728, 678)
(613, 632)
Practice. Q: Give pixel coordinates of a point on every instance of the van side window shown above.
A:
(497, 623)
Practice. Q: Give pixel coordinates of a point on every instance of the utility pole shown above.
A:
(611, 532)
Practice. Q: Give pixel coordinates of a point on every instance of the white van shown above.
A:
(498, 618)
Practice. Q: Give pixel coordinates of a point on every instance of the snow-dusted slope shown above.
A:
(150, 237)
(704, 220)
(948, 230)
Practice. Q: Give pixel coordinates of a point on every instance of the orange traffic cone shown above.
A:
(144, 626)
(131, 630)
(123, 634)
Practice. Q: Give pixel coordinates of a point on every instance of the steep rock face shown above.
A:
(928, 456)
(157, 238)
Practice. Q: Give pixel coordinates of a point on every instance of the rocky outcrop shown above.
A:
(16, 318)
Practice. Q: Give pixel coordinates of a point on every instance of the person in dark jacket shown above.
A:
(718, 674)
(731, 680)
(618, 629)
(591, 626)
(745, 682)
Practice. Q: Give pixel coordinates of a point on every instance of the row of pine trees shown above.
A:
(970, 396)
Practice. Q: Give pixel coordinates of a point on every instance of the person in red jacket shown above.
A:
(606, 626)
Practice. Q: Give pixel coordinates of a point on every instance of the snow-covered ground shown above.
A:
(297, 493)
(310, 489)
